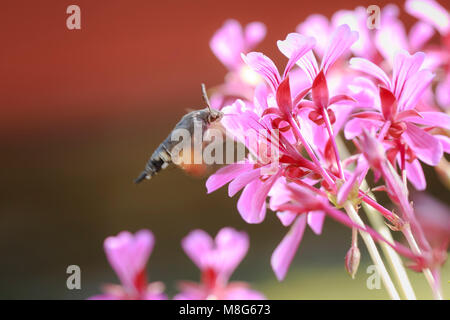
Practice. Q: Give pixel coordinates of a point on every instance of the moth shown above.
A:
(162, 156)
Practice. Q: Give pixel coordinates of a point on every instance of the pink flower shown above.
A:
(128, 254)
(265, 67)
(341, 39)
(394, 111)
(318, 110)
(271, 155)
(339, 42)
(227, 44)
(231, 40)
(217, 259)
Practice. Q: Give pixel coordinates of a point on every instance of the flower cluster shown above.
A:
(351, 102)
(384, 92)
(217, 259)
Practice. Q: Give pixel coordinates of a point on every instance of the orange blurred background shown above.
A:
(131, 58)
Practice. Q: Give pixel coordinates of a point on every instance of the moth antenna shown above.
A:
(205, 97)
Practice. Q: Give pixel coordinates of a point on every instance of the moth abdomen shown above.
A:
(159, 160)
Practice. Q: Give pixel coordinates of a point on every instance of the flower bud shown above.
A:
(352, 261)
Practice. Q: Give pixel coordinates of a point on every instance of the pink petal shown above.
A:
(414, 173)
(224, 175)
(445, 142)
(264, 66)
(348, 186)
(341, 40)
(365, 92)
(443, 92)
(414, 89)
(231, 246)
(284, 99)
(279, 194)
(294, 47)
(370, 68)
(242, 180)
(391, 38)
(419, 35)
(354, 127)
(320, 91)
(317, 26)
(431, 12)
(286, 217)
(308, 64)
(341, 98)
(299, 82)
(254, 34)
(252, 203)
(412, 113)
(434, 119)
(315, 221)
(425, 146)
(388, 104)
(260, 98)
(228, 43)
(128, 254)
(191, 292)
(368, 115)
(434, 218)
(285, 251)
(343, 113)
(357, 21)
(198, 245)
(405, 66)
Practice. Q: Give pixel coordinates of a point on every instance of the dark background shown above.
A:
(80, 113)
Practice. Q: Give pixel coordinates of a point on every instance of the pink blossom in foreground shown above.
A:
(217, 259)
(128, 254)
(272, 155)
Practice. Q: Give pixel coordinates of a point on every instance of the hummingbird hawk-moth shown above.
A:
(162, 156)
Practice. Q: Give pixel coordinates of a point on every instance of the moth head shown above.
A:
(214, 115)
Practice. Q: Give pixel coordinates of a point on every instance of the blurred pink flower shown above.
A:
(231, 40)
(228, 43)
(128, 254)
(217, 259)
(432, 14)
(434, 217)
